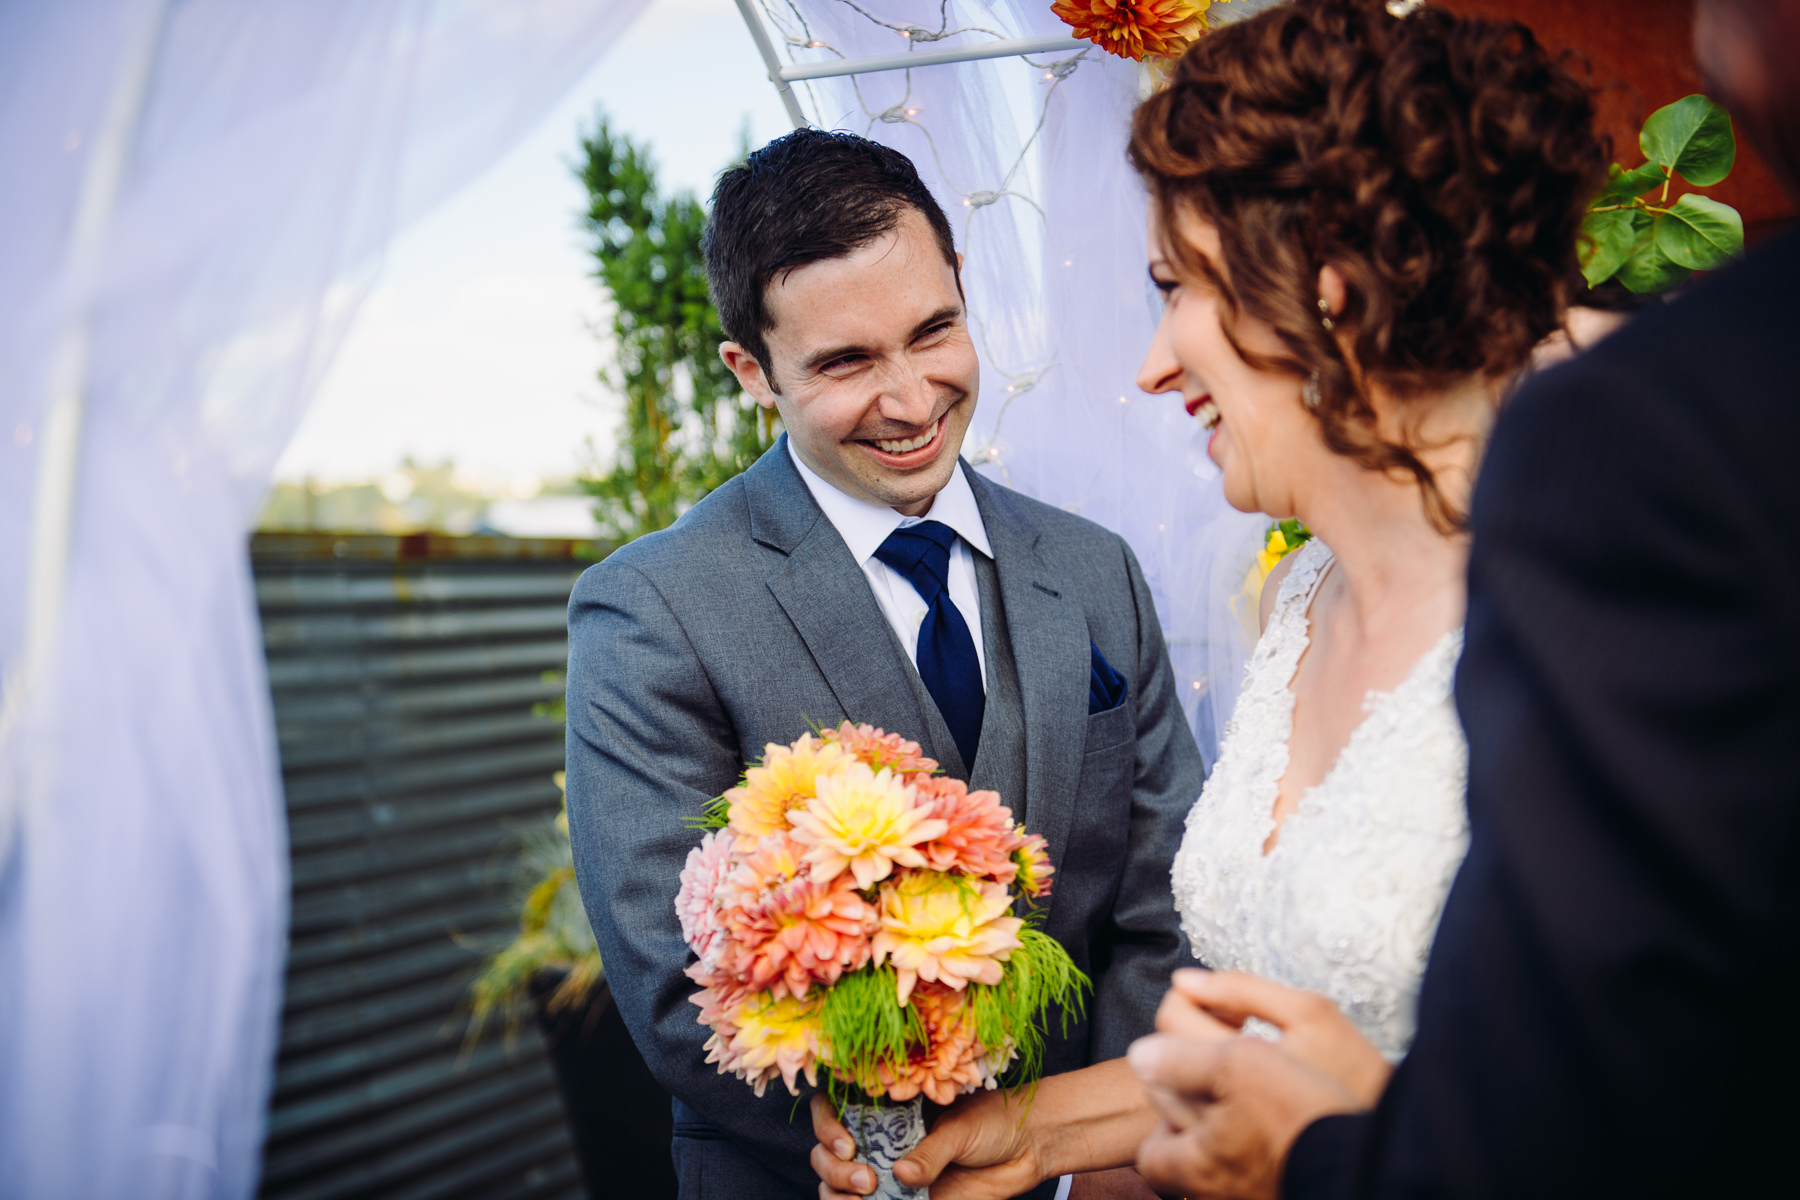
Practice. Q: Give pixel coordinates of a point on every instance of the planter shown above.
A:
(619, 1116)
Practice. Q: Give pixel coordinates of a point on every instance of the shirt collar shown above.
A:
(865, 525)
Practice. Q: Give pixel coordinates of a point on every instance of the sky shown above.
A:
(478, 342)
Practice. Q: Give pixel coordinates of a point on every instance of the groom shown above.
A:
(860, 570)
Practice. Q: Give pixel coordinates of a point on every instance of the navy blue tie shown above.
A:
(946, 655)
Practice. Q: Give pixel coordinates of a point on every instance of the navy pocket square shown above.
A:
(1106, 687)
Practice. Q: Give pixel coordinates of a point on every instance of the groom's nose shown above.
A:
(907, 395)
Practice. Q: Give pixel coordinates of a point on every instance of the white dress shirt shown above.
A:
(864, 526)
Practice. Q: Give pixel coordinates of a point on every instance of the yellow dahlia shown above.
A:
(1035, 868)
(864, 822)
(785, 781)
(945, 928)
(762, 1037)
(1134, 28)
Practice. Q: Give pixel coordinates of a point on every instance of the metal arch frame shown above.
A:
(783, 74)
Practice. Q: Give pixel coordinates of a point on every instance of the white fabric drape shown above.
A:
(1028, 158)
(194, 196)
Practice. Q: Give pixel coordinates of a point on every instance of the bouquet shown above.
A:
(851, 909)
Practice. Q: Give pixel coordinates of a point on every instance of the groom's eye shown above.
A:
(934, 334)
(839, 366)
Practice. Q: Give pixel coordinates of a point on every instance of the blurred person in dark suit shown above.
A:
(1606, 1008)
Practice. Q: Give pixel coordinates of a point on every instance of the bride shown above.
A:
(1362, 223)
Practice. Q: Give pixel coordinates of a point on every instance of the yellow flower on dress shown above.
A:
(1135, 28)
(945, 929)
(786, 780)
(1273, 551)
(864, 822)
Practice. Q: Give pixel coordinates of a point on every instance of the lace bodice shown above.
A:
(1348, 900)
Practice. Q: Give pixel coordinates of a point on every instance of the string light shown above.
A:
(903, 113)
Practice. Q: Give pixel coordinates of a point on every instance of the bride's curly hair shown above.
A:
(1441, 164)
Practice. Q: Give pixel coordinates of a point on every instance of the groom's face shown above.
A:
(876, 373)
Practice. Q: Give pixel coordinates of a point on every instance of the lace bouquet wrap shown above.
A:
(852, 910)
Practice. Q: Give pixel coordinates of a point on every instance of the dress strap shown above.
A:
(1312, 589)
(1311, 564)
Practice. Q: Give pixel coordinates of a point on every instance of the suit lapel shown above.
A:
(824, 593)
(1051, 656)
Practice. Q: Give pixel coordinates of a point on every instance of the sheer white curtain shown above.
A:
(1028, 158)
(193, 196)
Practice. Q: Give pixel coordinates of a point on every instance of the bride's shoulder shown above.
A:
(1313, 555)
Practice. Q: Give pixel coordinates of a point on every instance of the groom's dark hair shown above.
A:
(803, 198)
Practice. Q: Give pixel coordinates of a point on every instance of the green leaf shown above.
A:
(1692, 135)
(1649, 271)
(1622, 186)
(1606, 242)
(1700, 233)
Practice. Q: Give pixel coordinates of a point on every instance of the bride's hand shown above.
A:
(977, 1149)
(1211, 1004)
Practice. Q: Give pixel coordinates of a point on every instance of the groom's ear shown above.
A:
(750, 374)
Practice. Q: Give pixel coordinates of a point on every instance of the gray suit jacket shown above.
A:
(692, 648)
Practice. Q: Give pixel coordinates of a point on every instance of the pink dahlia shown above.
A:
(879, 749)
(979, 838)
(950, 1061)
(697, 903)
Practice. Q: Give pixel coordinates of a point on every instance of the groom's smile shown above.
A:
(871, 366)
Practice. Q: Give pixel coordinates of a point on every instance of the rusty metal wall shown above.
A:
(403, 672)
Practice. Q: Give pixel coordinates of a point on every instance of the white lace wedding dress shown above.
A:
(1348, 900)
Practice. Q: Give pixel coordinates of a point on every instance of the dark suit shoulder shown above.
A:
(1700, 387)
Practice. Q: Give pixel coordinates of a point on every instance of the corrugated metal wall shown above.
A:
(404, 671)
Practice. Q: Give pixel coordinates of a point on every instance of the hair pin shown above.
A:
(1402, 9)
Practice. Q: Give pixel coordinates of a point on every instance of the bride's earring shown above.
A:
(1309, 391)
(1325, 315)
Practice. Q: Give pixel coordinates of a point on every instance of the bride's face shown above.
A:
(1261, 434)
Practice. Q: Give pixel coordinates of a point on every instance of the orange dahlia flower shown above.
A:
(878, 749)
(979, 839)
(796, 932)
(1134, 28)
(949, 1062)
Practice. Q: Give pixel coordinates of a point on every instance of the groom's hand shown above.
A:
(977, 1150)
(1231, 1110)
